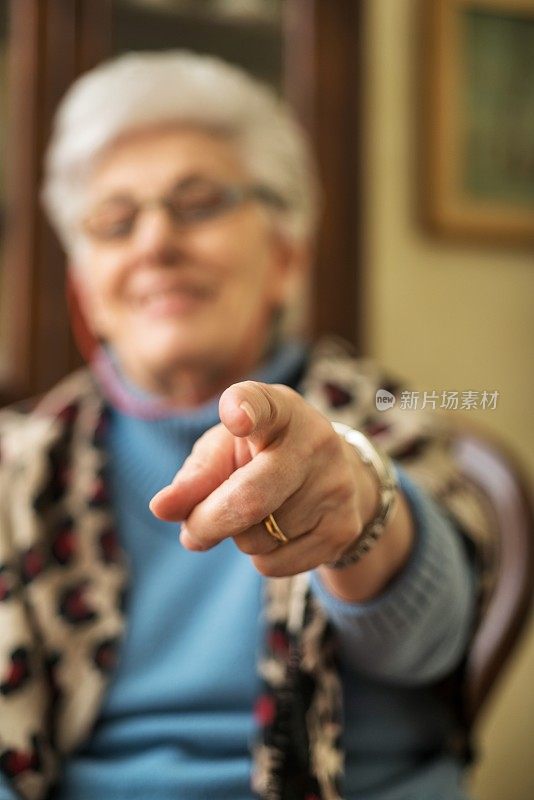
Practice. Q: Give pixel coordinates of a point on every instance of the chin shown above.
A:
(168, 349)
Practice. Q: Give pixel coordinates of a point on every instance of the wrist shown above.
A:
(370, 576)
(380, 466)
(367, 484)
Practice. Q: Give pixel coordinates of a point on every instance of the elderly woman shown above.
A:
(290, 643)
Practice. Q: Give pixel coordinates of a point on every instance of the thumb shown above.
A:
(260, 411)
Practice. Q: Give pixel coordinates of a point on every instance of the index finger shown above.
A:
(210, 463)
(249, 495)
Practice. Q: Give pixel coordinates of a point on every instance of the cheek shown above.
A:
(99, 293)
(241, 257)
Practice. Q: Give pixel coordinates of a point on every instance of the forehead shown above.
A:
(152, 159)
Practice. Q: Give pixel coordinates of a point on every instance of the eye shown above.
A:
(199, 199)
(111, 220)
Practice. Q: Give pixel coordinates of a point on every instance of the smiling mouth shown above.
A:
(172, 300)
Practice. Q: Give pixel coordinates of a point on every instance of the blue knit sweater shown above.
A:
(177, 718)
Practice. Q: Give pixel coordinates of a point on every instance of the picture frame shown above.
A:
(478, 123)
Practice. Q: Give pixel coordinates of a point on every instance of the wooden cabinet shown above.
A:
(309, 49)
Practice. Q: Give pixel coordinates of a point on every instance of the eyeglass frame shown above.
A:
(234, 195)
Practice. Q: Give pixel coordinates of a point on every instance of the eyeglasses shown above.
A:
(191, 201)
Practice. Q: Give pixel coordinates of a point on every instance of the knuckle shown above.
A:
(344, 492)
(270, 568)
(246, 548)
(269, 409)
(248, 543)
(250, 502)
(288, 393)
(345, 537)
(320, 440)
(336, 494)
(332, 531)
(244, 545)
(254, 548)
(329, 441)
(198, 541)
(307, 448)
(203, 440)
(196, 461)
(340, 537)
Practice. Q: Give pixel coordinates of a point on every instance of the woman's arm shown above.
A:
(416, 628)
(369, 576)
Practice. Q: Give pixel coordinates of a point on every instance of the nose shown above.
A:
(156, 238)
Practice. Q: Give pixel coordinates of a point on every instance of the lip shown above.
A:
(171, 301)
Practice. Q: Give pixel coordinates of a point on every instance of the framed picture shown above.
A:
(478, 71)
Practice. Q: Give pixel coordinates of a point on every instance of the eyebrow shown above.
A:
(113, 198)
(122, 196)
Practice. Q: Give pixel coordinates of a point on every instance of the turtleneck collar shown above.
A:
(283, 365)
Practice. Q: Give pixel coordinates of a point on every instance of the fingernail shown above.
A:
(249, 411)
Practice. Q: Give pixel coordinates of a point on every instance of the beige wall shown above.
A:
(448, 316)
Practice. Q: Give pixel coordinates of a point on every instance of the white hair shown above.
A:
(137, 90)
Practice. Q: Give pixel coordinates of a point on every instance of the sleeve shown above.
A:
(422, 442)
(25, 755)
(417, 629)
(419, 437)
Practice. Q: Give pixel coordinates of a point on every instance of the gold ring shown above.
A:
(271, 526)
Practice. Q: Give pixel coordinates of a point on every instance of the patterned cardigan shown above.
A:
(63, 576)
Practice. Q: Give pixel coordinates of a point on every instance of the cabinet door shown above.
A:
(6, 324)
(310, 50)
(47, 44)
